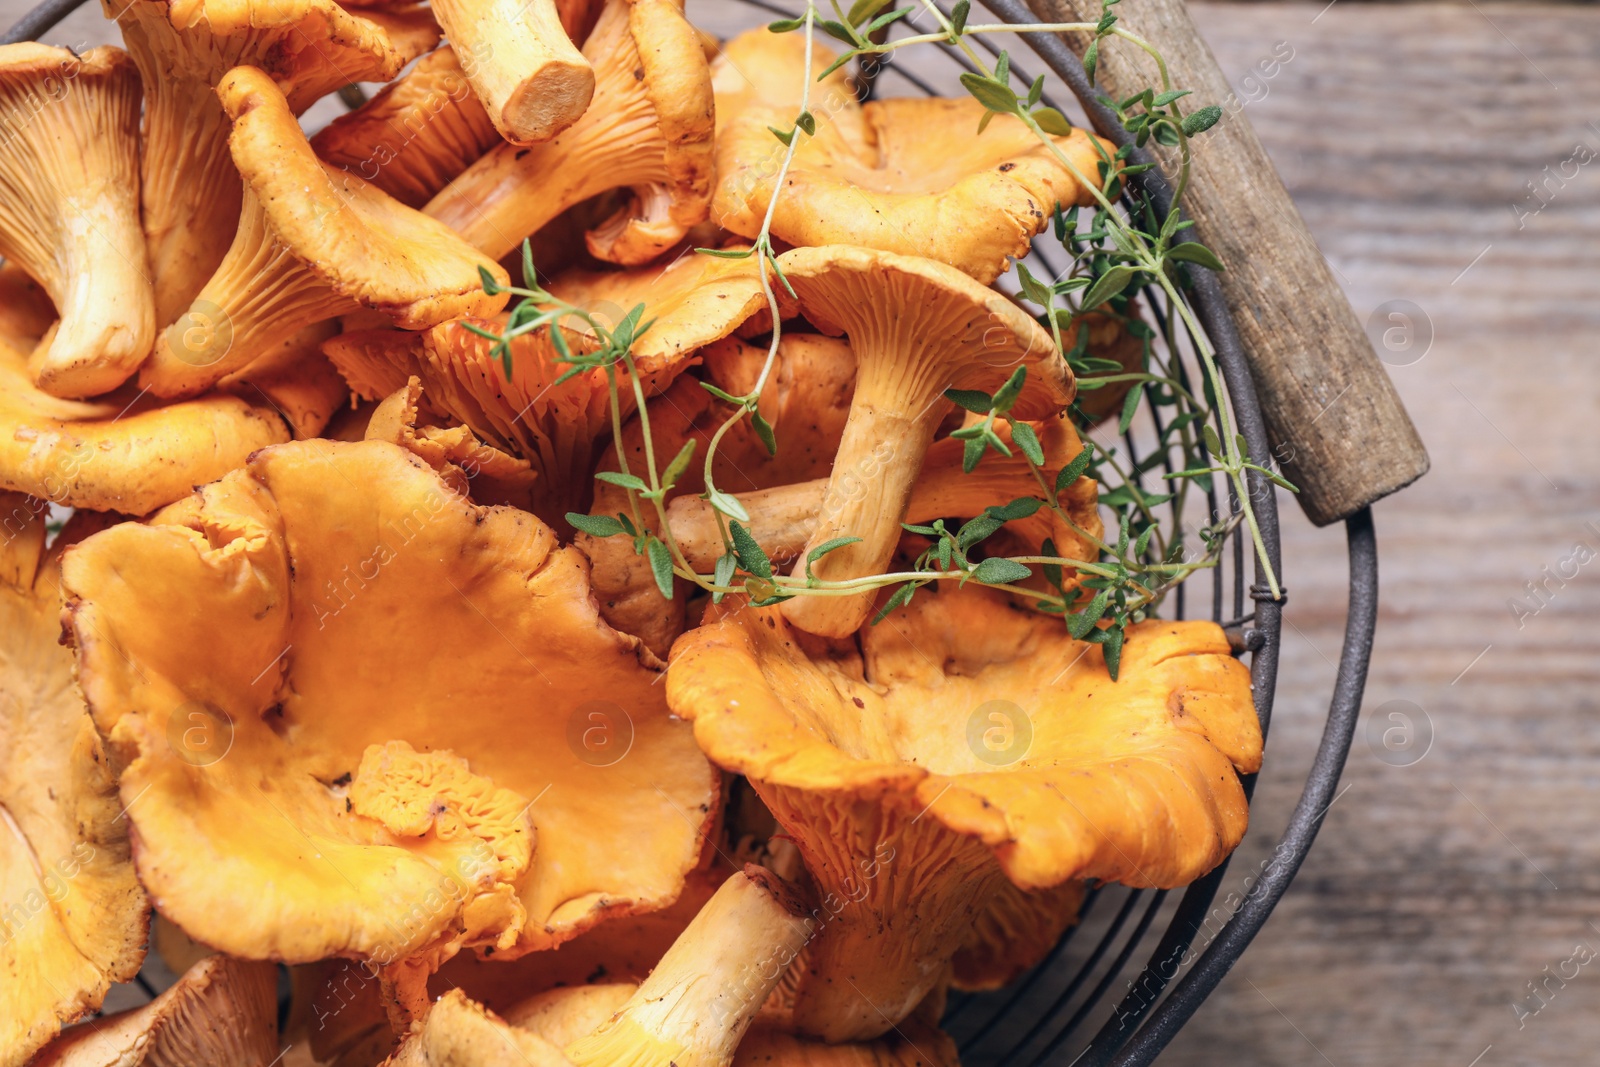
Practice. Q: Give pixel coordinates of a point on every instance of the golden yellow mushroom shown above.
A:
(911, 176)
(296, 380)
(123, 451)
(918, 328)
(690, 301)
(648, 129)
(183, 48)
(378, 720)
(72, 918)
(1110, 339)
(221, 1011)
(964, 743)
(553, 427)
(470, 467)
(693, 1010)
(69, 209)
(414, 137)
(805, 402)
(313, 242)
(762, 69)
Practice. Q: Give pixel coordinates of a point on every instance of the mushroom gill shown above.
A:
(183, 48)
(69, 209)
(958, 744)
(312, 242)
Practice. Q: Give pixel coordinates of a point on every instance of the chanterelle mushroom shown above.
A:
(689, 302)
(917, 328)
(122, 452)
(472, 468)
(72, 917)
(531, 79)
(904, 175)
(414, 137)
(554, 427)
(691, 1011)
(1014, 932)
(1110, 339)
(648, 129)
(966, 742)
(759, 68)
(222, 1011)
(296, 379)
(417, 733)
(313, 242)
(805, 403)
(183, 48)
(69, 209)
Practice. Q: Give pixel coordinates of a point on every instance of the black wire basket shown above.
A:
(1119, 985)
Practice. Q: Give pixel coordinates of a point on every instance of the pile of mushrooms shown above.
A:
(308, 678)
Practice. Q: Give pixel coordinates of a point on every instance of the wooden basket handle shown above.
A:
(1338, 428)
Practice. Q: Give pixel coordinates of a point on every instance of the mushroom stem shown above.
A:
(191, 190)
(523, 66)
(892, 422)
(781, 519)
(918, 328)
(632, 135)
(899, 894)
(107, 311)
(512, 192)
(701, 998)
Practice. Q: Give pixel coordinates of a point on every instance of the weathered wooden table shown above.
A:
(1459, 870)
(1442, 886)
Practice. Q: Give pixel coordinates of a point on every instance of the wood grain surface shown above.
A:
(1440, 889)
(1337, 427)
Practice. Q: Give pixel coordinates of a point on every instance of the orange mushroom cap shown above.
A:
(363, 765)
(124, 451)
(911, 176)
(554, 427)
(964, 743)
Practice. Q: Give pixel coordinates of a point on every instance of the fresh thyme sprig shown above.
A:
(1140, 249)
(1114, 257)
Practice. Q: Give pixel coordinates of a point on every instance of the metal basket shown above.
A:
(1092, 1002)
